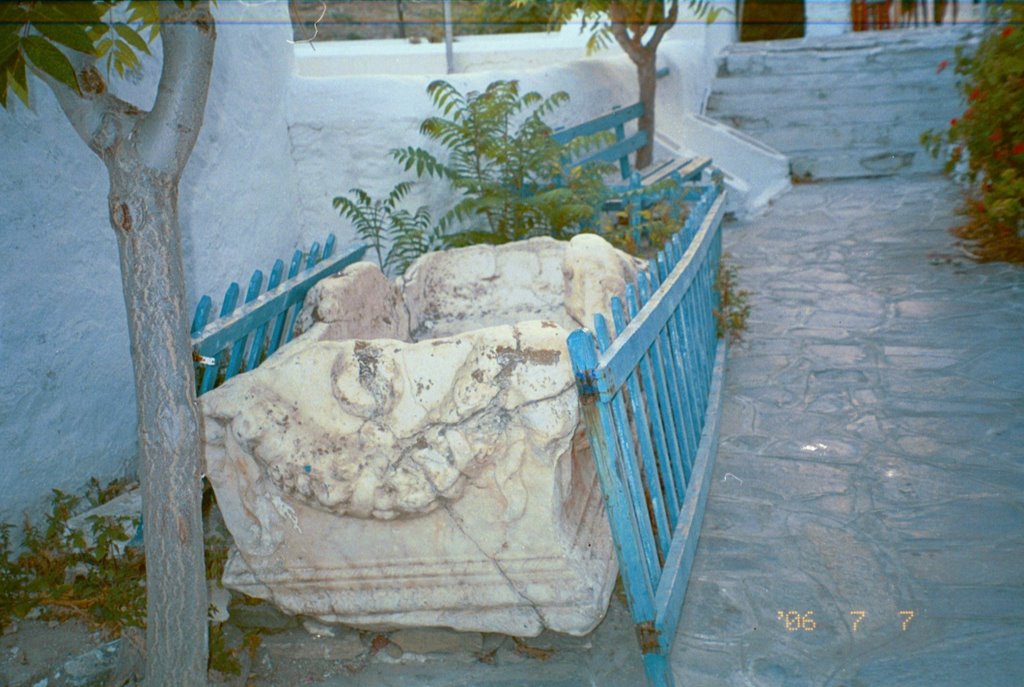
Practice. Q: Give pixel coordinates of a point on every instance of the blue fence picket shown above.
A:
(630, 468)
(227, 307)
(668, 416)
(672, 383)
(651, 401)
(287, 318)
(258, 349)
(660, 447)
(244, 330)
(651, 477)
(605, 450)
(237, 355)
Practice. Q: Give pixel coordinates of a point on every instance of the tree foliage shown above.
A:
(625, 21)
(984, 147)
(36, 34)
(629, 23)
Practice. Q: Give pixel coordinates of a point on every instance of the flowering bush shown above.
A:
(985, 145)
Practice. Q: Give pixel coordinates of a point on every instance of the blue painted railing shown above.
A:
(651, 398)
(240, 339)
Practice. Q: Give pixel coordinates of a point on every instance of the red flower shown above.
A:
(942, 65)
(996, 136)
(975, 94)
(1007, 32)
(1018, 149)
(952, 122)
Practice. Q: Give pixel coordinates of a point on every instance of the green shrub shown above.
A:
(507, 171)
(60, 574)
(984, 147)
(733, 307)
(395, 235)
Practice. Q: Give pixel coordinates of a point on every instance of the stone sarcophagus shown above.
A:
(416, 456)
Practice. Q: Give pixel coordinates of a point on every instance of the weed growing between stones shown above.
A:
(984, 147)
(733, 306)
(97, 576)
(658, 223)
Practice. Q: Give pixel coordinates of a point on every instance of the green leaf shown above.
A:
(9, 41)
(3, 87)
(19, 84)
(50, 60)
(74, 36)
(131, 37)
(126, 56)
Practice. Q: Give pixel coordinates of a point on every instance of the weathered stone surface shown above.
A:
(298, 644)
(437, 640)
(483, 286)
(593, 271)
(445, 482)
(260, 615)
(380, 313)
(437, 483)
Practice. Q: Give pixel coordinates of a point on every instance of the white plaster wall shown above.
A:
(342, 128)
(67, 407)
(826, 17)
(352, 102)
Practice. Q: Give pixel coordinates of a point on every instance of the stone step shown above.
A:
(927, 114)
(847, 53)
(845, 62)
(843, 106)
(865, 78)
(802, 139)
(863, 162)
(837, 99)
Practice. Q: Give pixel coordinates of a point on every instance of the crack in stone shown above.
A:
(497, 566)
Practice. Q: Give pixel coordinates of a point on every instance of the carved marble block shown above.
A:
(416, 456)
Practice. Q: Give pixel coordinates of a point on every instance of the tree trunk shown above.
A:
(144, 214)
(145, 154)
(647, 75)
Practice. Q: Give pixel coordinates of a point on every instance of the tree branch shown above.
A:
(662, 28)
(99, 117)
(617, 15)
(170, 130)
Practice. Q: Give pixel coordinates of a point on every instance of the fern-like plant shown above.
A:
(396, 236)
(507, 170)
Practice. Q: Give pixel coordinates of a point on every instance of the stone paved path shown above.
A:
(872, 461)
(872, 455)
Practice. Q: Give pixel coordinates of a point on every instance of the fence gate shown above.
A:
(651, 398)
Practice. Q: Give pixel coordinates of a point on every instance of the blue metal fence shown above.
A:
(651, 396)
(240, 339)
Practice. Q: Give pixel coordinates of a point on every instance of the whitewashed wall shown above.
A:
(275, 148)
(67, 406)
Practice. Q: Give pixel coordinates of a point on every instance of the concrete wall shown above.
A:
(281, 138)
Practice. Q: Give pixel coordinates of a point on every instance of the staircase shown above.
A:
(843, 106)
